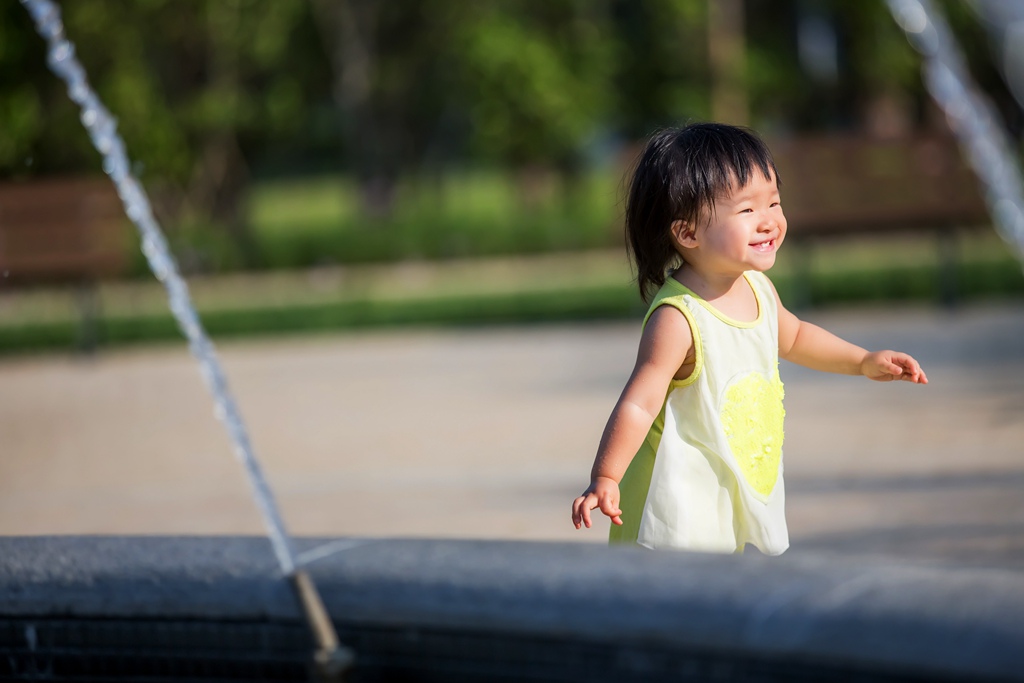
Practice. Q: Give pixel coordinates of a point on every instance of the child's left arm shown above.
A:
(811, 346)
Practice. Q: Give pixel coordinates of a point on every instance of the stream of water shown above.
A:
(102, 129)
(972, 118)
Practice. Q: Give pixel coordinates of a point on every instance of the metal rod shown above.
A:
(331, 660)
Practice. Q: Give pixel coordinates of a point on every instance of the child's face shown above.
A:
(743, 233)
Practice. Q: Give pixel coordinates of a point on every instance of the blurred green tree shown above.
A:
(661, 75)
(195, 85)
(515, 83)
(209, 92)
(536, 78)
(391, 86)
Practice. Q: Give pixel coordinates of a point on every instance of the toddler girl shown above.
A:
(692, 453)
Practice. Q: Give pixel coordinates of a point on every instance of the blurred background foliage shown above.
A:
(292, 133)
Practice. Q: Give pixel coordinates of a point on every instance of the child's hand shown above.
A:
(886, 366)
(602, 493)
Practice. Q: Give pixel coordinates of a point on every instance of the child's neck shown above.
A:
(709, 286)
(730, 294)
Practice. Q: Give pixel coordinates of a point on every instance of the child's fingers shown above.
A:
(587, 507)
(581, 507)
(587, 503)
(609, 506)
(918, 373)
(916, 377)
(912, 371)
(910, 375)
(578, 510)
(888, 366)
(892, 368)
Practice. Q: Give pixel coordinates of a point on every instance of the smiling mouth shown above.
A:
(767, 245)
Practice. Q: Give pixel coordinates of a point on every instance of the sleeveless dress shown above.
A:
(708, 476)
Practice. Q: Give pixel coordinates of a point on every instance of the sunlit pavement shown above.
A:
(490, 433)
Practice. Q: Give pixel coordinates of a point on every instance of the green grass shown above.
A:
(298, 224)
(551, 288)
(467, 309)
(301, 223)
(564, 287)
(907, 267)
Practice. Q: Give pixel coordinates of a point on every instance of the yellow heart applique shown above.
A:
(752, 416)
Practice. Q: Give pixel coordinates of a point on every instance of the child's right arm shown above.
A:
(666, 351)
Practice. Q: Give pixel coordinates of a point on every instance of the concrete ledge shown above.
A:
(476, 610)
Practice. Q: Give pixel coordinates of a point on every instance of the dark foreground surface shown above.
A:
(217, 608)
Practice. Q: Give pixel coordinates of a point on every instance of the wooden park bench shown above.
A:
(844, 186)
(63, 231)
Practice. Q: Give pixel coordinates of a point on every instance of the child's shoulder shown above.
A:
(671, 318)
(672, 297)
(669, 333)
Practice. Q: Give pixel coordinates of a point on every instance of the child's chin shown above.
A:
(764, 263)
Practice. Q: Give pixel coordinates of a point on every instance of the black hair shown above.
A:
(678, 175)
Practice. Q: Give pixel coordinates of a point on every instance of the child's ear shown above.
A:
(683, 234)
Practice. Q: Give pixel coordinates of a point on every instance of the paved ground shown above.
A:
(490, 433)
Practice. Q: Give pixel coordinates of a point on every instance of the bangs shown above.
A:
(718, 158)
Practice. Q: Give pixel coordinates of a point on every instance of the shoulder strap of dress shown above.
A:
(764, 290)
(667, 297)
